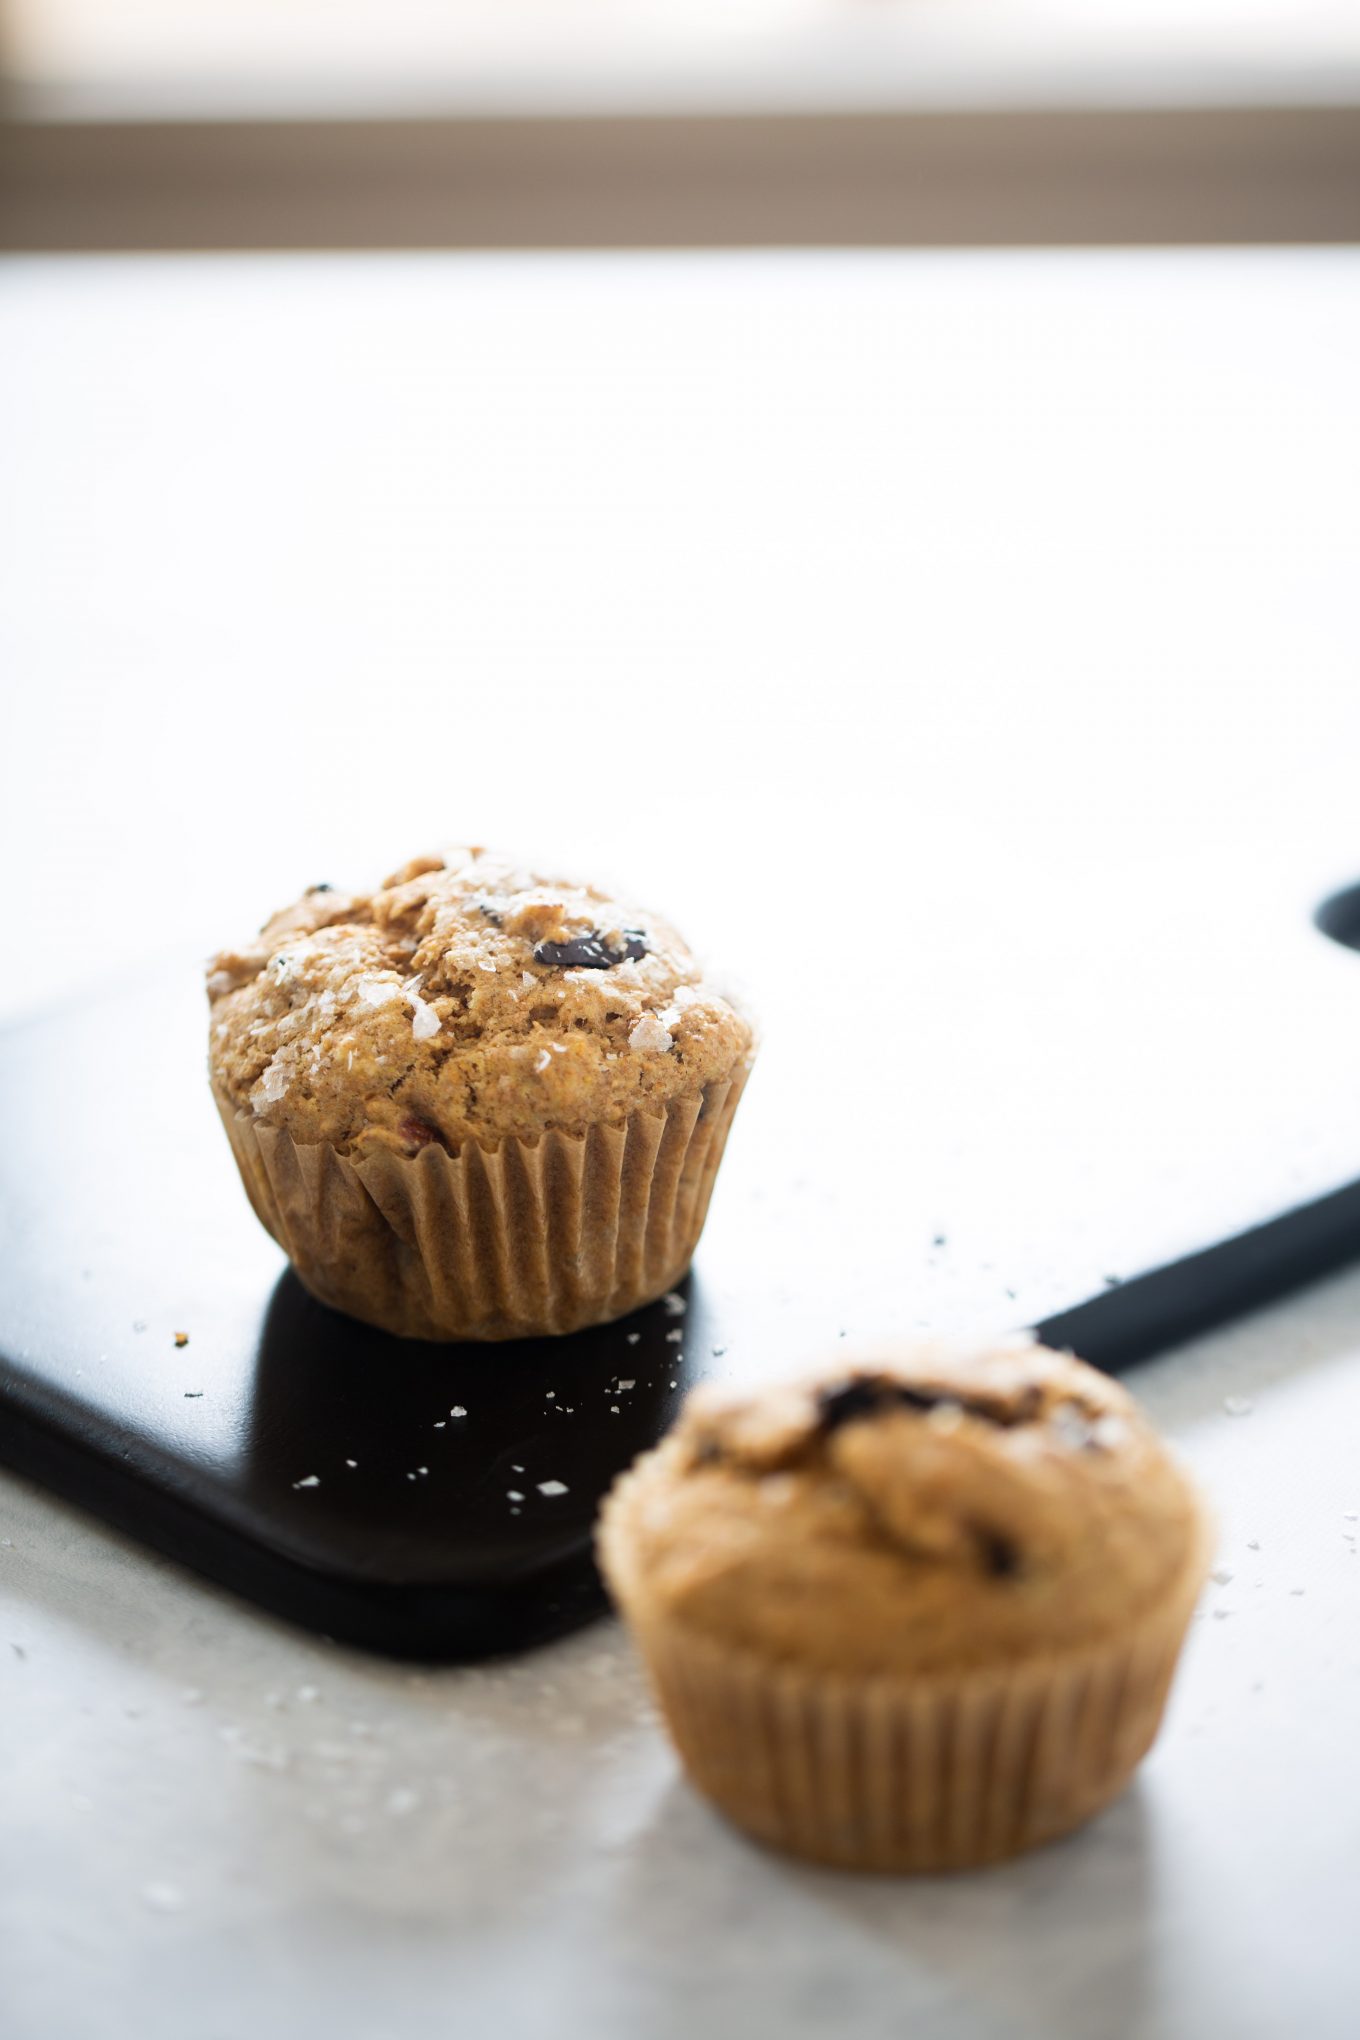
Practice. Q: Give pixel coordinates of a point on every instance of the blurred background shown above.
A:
(842, 436)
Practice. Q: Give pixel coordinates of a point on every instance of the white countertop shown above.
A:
(217, 1826)
(313, 543)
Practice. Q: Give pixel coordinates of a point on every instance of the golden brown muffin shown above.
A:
(914, 1613)
(477, 1102)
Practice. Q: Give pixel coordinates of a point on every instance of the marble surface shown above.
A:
(215, 1825)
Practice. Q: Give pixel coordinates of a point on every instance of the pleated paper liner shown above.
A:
(510, 1242)
(937, 1773)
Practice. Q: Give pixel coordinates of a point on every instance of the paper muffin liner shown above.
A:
(933, 1773)
(505, 1242)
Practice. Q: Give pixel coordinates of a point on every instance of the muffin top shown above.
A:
(465, 999)
(937, 1510)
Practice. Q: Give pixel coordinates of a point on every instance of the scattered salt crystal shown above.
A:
(674, 1338)
(627, 1384)
(551, 1394)
(1221, 1577)
(351, 1462)
(483, 963)
(376, 991)
(311, 1480)
(273, 1083)
(542, 1061)
(526, 977)
(649, 1035)
(552, 1487)
(458, 1410)
(425, 1022)
(166, 1898)
(443, 1424)
(513, 1495)
(422, 1469)
(515, 1469)
(1238, 1405)
(613, 1409)
(633, 1338)
(675, 1304)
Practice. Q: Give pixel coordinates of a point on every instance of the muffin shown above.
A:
(914, 1614)
(476, 1103)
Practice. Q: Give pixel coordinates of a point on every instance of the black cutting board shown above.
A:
(317, 1466)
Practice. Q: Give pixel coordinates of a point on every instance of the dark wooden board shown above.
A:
(123, 1223)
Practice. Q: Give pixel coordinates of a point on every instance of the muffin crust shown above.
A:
(465, 999)
(929, 1511)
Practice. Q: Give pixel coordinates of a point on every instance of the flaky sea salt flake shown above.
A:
(552, 1487)
(649, 1036)
(425, 1022)
(376, 991)
(309, 1480)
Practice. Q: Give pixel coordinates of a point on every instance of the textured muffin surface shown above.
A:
(464, 999)
(930, 1512)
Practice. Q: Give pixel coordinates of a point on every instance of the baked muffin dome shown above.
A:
(464, 999)
(932, 1509)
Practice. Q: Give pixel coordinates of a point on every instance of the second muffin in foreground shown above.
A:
(476, 1103)
(915, 1614)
